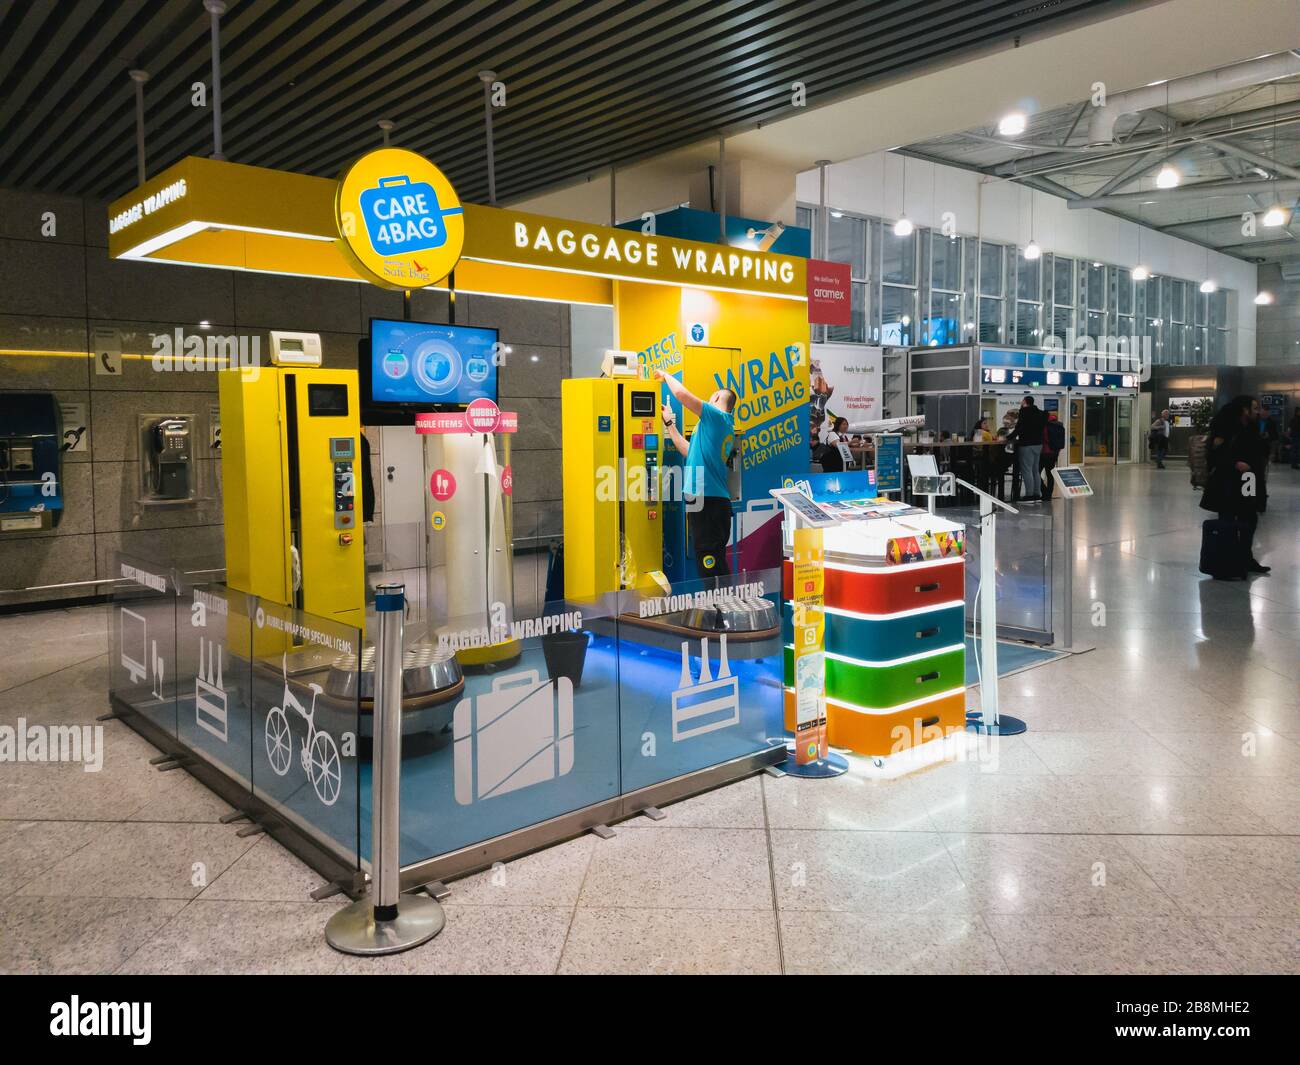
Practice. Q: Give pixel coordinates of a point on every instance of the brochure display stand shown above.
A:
(895, 656)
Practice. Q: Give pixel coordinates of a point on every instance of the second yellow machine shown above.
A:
(613, 451)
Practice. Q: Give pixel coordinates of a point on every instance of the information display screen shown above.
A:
(1072, 481)
(425, 365)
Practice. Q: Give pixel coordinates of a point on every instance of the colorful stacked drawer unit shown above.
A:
(895, 653)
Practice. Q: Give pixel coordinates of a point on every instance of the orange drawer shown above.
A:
(891, 733)
(888, 589)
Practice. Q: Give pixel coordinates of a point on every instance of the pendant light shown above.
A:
(1140, 272)
(903, 227)
(1208, 285)
(1276, 215)
(1032, 250)
(1169, 176)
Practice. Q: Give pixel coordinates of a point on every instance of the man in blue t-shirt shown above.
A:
(704, 472)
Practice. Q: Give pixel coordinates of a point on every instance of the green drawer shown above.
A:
(880, 687)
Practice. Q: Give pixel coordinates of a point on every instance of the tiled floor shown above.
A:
(1149, 821)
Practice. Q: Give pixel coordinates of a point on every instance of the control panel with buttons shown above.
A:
(343, 453)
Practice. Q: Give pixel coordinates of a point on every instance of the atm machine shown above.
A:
(31, 461)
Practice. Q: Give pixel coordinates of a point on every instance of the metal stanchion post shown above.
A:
(387, 921)
(1068, 575)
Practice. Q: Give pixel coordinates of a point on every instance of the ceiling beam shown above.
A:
(1253, 158)
(1256, 120)
(1135, 170)
(1200, 190)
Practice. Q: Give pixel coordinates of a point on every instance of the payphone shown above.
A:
(169, 450)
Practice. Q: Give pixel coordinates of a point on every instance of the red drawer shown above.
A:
(888, 590)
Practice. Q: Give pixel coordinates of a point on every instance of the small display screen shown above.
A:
(430, 365)
(291, 344)
(330, 401)
(1072, 477)
(811, 512)
(643, 404)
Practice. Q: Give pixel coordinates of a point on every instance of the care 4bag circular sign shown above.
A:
(400, 222)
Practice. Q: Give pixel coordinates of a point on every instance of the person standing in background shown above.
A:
(1007, 455)
(704, 471)
(1295, 439)
(1028, 437)
(1234, 486)
(1053, 445)
(1158, 438)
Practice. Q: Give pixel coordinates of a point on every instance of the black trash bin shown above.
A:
(565, 654)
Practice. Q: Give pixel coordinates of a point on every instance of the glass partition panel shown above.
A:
(701, 675)
(214, 707)
(527, 729)
(142, 649)
(1024, 570)
(305, 682)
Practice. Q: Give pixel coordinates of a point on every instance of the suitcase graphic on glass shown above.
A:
(402, 216)
(519, 733)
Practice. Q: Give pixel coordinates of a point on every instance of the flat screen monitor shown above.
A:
(420, 365)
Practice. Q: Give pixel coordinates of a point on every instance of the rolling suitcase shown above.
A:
(1224, 551)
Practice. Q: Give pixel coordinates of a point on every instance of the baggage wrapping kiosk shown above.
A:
(703, 700)
(894, 621)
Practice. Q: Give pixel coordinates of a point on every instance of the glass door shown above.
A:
(1099, 429)
(1075, 430)
(1123, 429)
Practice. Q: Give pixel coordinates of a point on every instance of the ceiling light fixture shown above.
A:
(1032, 250)
(1141, 273)
(903, 227)
(1169, 177)
(1274, 216)
(1012, 125)
(1263, 299)
(1208, 286)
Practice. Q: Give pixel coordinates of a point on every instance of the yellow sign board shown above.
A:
(395, 220)
(504, 236)
(808, 606)
(400, 222)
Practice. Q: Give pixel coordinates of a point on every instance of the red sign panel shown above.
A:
(830, 293)
(481, 416)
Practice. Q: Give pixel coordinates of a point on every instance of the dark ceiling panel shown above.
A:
(591, 83)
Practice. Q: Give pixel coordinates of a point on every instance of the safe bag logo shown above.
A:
(400, 222)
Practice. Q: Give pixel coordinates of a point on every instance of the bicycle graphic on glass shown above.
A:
(320, 754)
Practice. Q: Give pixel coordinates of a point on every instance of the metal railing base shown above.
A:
(354, 930)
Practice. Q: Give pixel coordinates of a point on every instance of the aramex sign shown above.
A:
(830, 293)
